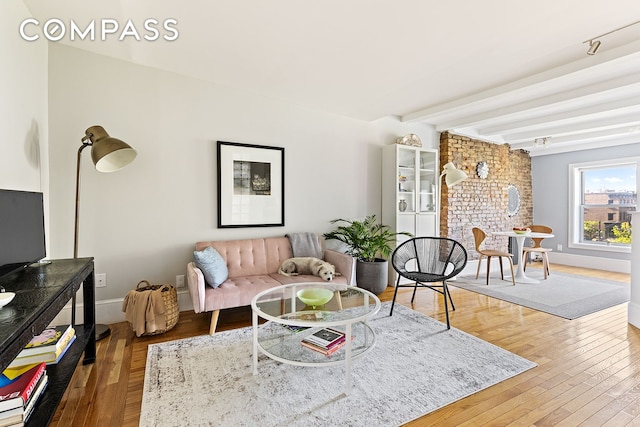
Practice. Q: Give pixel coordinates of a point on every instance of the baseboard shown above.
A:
(606, 264)
(598, 263)
(110, 311)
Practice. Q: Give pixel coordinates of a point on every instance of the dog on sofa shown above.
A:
(308, 265)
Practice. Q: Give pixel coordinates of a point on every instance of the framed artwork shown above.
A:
(250, 185)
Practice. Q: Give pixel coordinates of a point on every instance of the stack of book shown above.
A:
(49, 347)
(326, 341)
(20, 395)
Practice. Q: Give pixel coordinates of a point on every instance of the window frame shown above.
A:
(575, 203)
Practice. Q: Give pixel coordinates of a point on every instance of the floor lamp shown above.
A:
(109, 155)
(453, 177)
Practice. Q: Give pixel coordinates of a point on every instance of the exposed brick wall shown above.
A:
(480, 202)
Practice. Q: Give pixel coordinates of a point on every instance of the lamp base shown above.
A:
(102, 331)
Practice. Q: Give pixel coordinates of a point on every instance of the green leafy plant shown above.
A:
(366, 239)
(622, 233)
(591, 230)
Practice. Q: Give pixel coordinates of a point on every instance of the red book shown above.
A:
(16, 394)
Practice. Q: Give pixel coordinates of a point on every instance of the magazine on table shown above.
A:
(325, 338)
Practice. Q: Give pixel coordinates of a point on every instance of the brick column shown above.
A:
(483, 202)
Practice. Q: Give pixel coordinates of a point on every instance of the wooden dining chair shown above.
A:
(537, 247)
(479, 236)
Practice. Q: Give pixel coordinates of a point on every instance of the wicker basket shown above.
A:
(170, 298)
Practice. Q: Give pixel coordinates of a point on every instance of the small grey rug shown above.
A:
(416, 367)
(564, 295)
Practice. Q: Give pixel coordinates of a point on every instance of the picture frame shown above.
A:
(250, 185)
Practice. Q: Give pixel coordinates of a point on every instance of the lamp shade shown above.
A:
(108, 154)
(453, 176)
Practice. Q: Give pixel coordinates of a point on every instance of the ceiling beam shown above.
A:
(586, 114)
(611, 62)
(559, 101)
(630, 120)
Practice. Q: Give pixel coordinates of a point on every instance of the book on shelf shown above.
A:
(325, 338)
(35, 397)
(4, 380)
(325, 351)
(12, 417)
(20, 415)
(50, 340)
(63, 352)
(49, 356)
(13, 373)
(16, 394)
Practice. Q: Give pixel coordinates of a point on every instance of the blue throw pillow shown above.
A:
(212, 266)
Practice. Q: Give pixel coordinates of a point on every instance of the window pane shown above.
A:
(611, 225)
(608, 195)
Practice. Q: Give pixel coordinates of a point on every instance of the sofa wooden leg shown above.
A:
(214, 321)
(338, 299)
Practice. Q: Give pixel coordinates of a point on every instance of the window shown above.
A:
(602, 195)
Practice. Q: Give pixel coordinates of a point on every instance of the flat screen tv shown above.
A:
(22, 240)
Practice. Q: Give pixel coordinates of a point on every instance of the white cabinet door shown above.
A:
(426, 225)
(410, 182)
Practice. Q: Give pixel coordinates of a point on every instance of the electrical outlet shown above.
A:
(101, 280)
(180, 281)
(559, 247)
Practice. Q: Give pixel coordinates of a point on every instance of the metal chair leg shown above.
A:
(395, 293)
(415, 288)
(453, 307)
(446, 308)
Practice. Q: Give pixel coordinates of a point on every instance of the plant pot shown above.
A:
(372, 275)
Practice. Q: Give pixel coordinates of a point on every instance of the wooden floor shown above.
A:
(588, 373)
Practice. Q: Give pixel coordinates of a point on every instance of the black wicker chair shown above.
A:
(427, 261)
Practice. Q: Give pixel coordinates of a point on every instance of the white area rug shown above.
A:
(416, 367)
(565, 295)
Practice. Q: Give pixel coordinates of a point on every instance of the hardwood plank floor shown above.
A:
(588, 373)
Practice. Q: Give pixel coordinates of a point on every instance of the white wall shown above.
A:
(550, 180)
(23, 105)
(142, 221)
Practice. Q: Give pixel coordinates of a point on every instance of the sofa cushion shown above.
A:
(237, 291)
(305, 278)
(213, 267)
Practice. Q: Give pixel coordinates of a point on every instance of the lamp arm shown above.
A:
(76, 222)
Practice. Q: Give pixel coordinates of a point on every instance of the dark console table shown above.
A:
(42, 290)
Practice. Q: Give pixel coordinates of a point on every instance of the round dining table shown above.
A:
(520, 276)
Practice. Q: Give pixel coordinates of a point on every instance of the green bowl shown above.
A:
(315, 296)
(527, 231)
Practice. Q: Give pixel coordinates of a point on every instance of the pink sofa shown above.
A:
(253, 267)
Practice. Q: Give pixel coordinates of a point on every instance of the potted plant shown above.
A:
(371, 243)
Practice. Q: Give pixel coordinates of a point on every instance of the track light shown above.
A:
(541, 141)
(593, 47)
(594, 43)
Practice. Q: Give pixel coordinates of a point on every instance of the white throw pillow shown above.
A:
(212, 266)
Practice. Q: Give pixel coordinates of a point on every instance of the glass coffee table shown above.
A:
(289, 321)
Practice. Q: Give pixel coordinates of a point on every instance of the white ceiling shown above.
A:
(501, 70)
